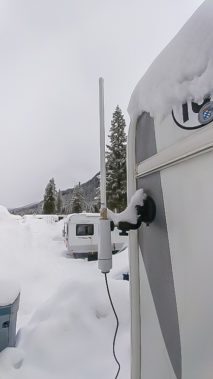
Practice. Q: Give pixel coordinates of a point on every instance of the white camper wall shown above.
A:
(188, 200)
(176, 257)
(155, 362)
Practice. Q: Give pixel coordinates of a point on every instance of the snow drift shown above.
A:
(66, 325)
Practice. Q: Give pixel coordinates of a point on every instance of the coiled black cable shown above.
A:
(117, 326)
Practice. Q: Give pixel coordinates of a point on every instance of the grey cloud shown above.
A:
(52, 54)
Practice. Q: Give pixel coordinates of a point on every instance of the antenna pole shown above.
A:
(105, 244)
(102, 145)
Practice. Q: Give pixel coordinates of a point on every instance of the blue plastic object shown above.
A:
(8, 317)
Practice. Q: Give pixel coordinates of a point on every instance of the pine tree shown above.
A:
(59, 202)
(116, 163)
(77, 202)
(49, 205)
(97, 200)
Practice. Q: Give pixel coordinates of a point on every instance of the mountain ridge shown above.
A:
(89, 190)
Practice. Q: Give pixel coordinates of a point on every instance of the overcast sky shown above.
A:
(52, 54)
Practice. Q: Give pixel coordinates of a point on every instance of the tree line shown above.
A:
(116, 178)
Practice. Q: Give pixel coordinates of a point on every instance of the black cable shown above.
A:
(117, 326)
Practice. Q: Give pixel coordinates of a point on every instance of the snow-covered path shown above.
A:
(66, 325)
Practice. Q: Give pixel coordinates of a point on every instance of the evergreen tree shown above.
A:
(77, 202)
(97, 200)
(89, 207)
(59, 202)
(49, 205)
(116, 163)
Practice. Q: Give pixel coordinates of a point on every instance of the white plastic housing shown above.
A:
(104, 246)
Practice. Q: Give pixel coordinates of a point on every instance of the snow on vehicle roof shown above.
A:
(84, 214)
(80, 216)
(183, 71)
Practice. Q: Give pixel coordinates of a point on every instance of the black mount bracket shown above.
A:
(146, 214)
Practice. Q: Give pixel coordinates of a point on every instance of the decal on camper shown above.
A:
(192, 115)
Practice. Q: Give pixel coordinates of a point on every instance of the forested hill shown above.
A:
(89, 190)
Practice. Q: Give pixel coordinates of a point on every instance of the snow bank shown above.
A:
(120, 265)
(5, 215)
(65, 318)
(71, 335)
(183, 71)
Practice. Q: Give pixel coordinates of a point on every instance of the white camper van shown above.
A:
(170, 156)
(81, 235)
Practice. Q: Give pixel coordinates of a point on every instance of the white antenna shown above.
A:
(105, 245)
(102, 144)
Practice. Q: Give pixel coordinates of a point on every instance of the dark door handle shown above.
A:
(6, 324)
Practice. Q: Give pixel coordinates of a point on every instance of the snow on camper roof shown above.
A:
(183, 71)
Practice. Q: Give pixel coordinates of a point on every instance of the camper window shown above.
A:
(84, 230)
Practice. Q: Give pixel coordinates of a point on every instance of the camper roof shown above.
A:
(183, 71)
(82, 216)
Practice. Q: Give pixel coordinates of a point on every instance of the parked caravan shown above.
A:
(81, 235)
(170, 156)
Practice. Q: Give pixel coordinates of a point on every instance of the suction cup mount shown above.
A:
(146, 214)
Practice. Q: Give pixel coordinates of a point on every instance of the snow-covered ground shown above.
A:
(65, 321)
